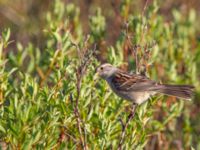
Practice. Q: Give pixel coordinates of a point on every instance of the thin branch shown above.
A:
(71, 137)
(80, 71)
(76, 112)
(133, 48)
(141, 61)
(145, 7)
(143, 12)
(124, 126)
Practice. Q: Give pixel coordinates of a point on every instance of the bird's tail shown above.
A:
(181, 91)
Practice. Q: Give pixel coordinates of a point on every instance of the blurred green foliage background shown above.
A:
(43, 46)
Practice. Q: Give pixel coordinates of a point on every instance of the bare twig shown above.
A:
(77, 114)
(143, 12)
(85, 59)
(131, 47)
(124, 126)
(135, 49)
(141, 59)
(145, 7)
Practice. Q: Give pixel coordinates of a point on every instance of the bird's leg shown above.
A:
(124, 126)
(133, 109)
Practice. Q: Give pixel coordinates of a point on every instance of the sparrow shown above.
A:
(139, 88)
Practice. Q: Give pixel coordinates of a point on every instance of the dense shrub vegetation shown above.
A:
(50, 97)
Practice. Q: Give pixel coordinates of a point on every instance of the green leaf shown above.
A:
(2, 129)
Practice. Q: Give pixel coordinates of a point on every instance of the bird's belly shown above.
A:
(140, 97)
(136, 97)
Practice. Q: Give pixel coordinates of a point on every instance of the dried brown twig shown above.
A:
(124, 126)
(133, 48)
(85, 57)
(141, 65)
(141, 60)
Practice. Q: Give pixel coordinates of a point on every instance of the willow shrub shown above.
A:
(38, 90)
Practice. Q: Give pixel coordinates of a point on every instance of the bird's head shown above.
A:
(106, 70)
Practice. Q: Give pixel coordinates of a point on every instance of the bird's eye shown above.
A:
(101, 68)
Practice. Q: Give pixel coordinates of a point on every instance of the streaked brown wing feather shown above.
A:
(132, 82)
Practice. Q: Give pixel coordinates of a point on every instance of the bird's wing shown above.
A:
(132, 82)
